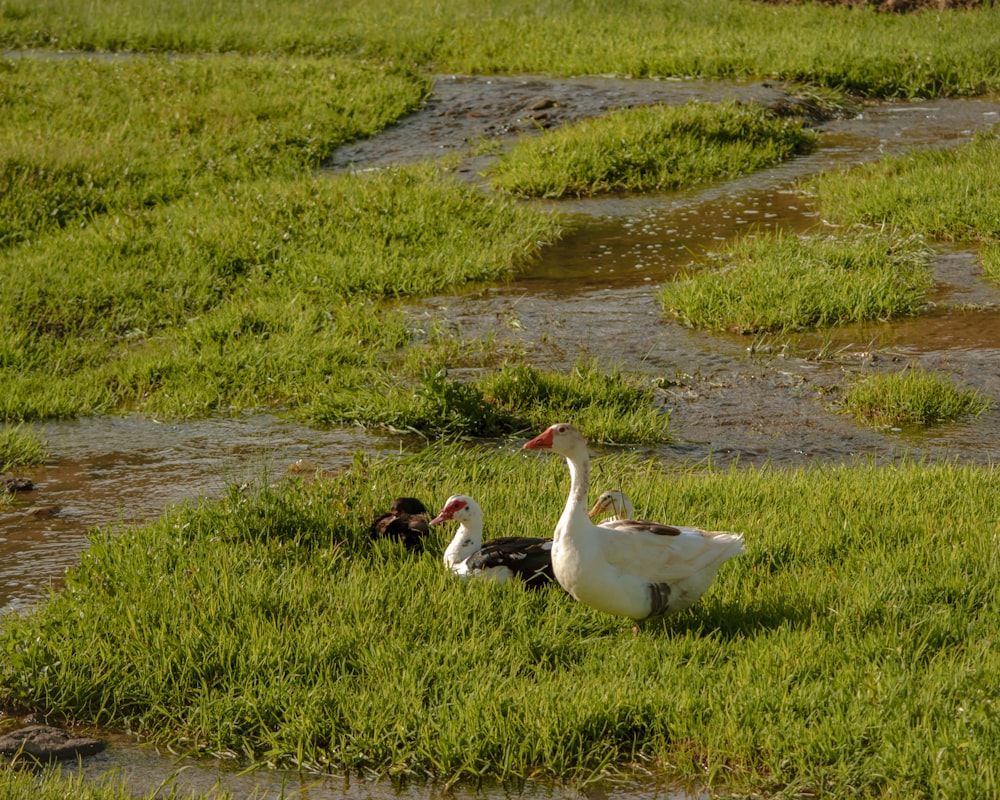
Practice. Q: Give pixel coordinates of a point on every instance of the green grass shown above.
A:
(855, 50)
(81, 138)
(777, 282)
(990, 257)
(171, 248)
(911, 397)
(651, 148)
(20, 446)
(849, 653)
(167, 247)
(260, 293)
(949, 194)
(53, 784)
(611, 407)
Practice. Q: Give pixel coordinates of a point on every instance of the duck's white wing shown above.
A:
(666, 553)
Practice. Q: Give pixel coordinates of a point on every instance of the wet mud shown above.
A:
(465, 113)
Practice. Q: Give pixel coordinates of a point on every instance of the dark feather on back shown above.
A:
(527, 557)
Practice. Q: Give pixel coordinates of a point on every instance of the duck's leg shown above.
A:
(659, 598)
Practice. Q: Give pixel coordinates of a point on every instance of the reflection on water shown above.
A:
(654, 243)
(630, 240)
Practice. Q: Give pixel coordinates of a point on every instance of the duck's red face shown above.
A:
(450, 509)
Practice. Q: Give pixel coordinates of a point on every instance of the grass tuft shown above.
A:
(990, 257)
(53, 784)
(653, 148)
(911, 397)
(20, 447)
(777, 282)
(611, 407)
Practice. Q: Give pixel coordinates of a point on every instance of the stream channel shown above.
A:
(591, 295)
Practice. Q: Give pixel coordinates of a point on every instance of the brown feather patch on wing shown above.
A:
(642, 526)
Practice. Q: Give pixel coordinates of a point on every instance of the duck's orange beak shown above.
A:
(541, 442)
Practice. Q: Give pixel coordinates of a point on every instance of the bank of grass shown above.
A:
(951, 194)
(650, 148)
(850, 652)
(614, 407)
(780, 282)
(911, 397)
(20, 446)
(853, 49)
(169, 247)
(84, 137)
(254, 294)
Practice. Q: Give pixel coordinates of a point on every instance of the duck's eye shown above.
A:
(561, 429)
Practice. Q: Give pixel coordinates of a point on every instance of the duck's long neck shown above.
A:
(576, 504)
(467, 540)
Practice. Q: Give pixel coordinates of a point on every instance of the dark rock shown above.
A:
(42, 512)
(542, 104)
(14, 484)
(46, 743)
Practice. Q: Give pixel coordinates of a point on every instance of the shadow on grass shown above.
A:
(732, 621)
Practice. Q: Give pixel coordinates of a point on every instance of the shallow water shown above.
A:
(145, 767)
(737, 398)
(592, 295)
(112, 470)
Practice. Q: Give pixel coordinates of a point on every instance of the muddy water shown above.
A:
(143, 768)
(115, 470)
(593, 295)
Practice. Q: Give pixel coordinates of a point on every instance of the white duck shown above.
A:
(636, 569)
(617, 503)
(501, 559)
